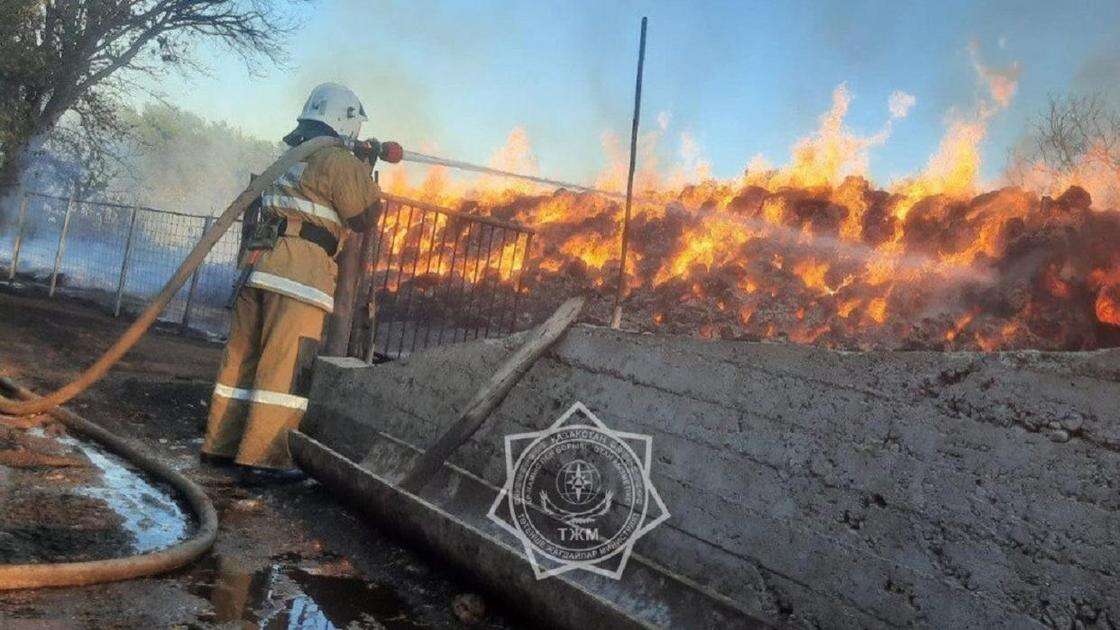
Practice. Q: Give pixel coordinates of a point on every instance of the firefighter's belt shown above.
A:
(313, 233)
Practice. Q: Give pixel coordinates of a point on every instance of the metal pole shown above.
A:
(19, 235)
(124, 261)
(497, 284)
(480, 280)
(194, 279)
(388, 267)
(397, 284)
(62, 239)
(450, 282)
(433, 299)
(338, 323)
(411, 284)
(371, 347)
(520, 274)
(468, 299)
(374, 292)
(616, 318)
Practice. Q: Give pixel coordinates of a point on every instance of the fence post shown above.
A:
(520, 276)
(194, 279)
(124, 262)
(338, 323)
(19, 235)
(359, 327)
(350, 269)
(62, 239)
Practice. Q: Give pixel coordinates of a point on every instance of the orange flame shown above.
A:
(812, 251)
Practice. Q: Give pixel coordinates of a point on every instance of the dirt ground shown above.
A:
(289, 556)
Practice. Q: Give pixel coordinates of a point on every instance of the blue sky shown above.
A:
(742, 77)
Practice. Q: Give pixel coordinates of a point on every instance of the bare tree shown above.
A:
(74, 58)
(1075, 140)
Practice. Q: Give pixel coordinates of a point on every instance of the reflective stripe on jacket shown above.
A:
(329, 189)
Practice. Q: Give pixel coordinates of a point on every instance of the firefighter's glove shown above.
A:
(368, 150)
(367, 219)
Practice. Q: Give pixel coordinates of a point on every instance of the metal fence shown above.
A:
(119, 256)
(431, 275)
(434, 276)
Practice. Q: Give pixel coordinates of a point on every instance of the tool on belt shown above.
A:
(266, 233)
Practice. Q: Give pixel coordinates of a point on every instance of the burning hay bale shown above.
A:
(849, 267)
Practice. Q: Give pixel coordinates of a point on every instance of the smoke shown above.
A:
(1001, 83)
(693, 166)
(616, 153)
(380, 61)
(1100, 74)
(178, 161)
(900, 103)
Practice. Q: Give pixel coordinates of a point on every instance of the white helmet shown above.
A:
(336, 106)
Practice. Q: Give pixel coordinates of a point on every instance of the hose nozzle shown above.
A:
(372, 149)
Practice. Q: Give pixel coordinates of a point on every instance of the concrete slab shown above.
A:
(818, 488)
(449, 523)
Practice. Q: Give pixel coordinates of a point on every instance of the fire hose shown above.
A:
(135, 331)
(24, 403)
(13, 576)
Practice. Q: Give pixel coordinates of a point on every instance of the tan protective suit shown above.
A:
(278, 315)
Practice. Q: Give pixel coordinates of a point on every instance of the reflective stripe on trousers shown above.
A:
(264, 378)
(291, 288)
(261, 396)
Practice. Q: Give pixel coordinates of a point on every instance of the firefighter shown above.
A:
(288, 290)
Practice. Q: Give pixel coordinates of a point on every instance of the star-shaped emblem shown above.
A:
(560, 524)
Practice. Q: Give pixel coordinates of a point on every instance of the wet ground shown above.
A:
(286, 557)
(80, 502)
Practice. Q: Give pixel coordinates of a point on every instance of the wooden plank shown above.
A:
(491, 395)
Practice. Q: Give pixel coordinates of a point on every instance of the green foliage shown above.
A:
(22, 63)
(66, 66)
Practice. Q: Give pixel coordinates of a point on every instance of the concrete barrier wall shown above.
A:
(817, 488)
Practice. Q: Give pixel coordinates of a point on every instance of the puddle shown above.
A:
(292, 598)
(148, 512)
